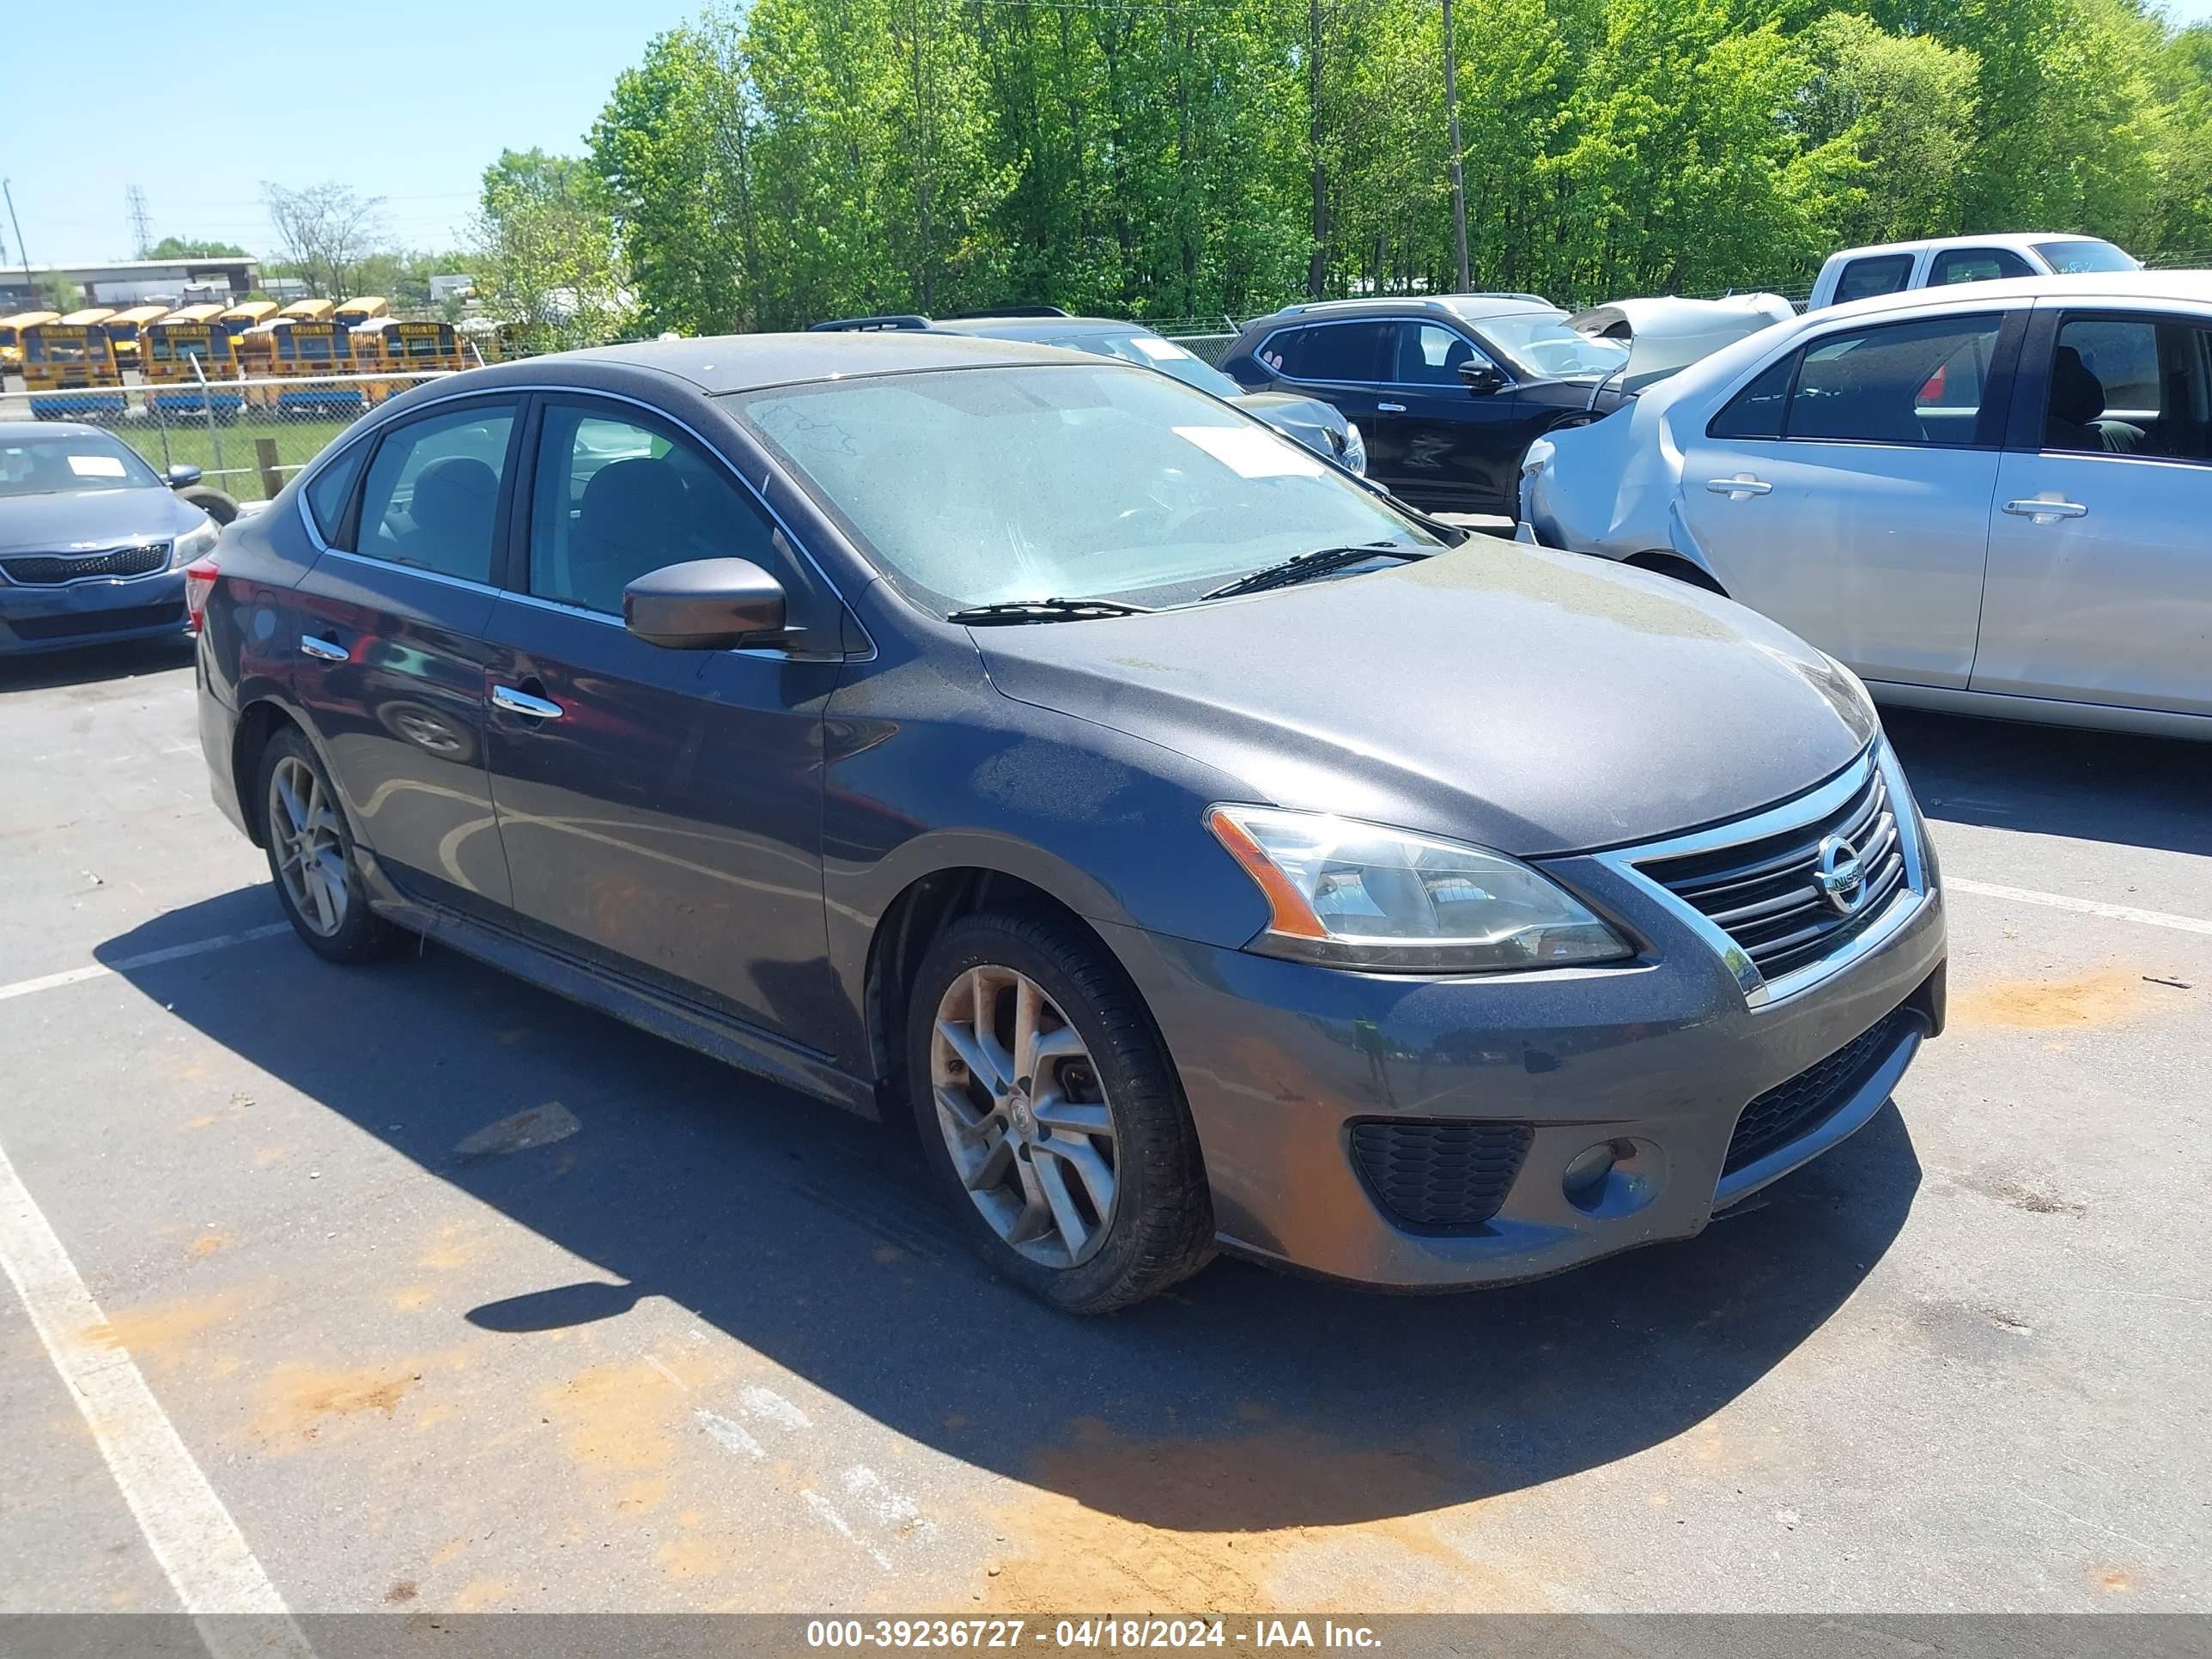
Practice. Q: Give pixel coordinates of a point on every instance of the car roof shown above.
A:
(2124, 286)
(2013, 240)
(1039, 329)
(1463, 307)
(747, 363)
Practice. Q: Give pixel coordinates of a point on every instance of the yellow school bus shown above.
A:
(352, 313)
(312, 349)
(411, 348)
(11, 332)
(90, 317)
(254, 351)
(75, 359)
(188, 360)
(308, 311)
(124, 329)
(249, 313)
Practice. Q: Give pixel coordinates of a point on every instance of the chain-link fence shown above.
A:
(246, 436)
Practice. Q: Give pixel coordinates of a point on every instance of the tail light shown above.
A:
(199, 585)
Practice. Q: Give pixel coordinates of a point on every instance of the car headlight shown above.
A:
(1353, 895)
(1355, 449)
(195, 543)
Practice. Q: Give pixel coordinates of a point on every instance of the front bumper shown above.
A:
(56, 618)
(1658, 1057)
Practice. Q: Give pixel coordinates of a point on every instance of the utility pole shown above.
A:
(1451, 120)
(142, 221)
(31, 289)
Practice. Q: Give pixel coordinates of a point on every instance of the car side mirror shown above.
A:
(1482, 378)
(182, 476)
(704, 604)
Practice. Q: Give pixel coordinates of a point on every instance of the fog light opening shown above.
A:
(1613, 1178)
(1586, 1175)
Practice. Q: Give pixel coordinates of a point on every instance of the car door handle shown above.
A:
(2046, 511)
(323, 650)
(1390, 408)
(1739, 486)
(516, 702)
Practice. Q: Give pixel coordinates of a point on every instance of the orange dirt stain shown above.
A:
(2111, 998)
(158, 1332)
(209, 1243)
(299, 1402)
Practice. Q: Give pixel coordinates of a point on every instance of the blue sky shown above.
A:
(410, 105)
(407, 99)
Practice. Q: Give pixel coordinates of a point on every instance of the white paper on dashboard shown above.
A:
(1252, 452)
(97, 467)
(1157, 350)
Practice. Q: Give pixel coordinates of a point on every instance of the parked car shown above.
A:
(1314, 424)
(1193, 846)
(1864, 273)
(93, 541)
(1993, 501)
(1450, 392)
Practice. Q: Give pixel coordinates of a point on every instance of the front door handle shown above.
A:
(323, 650)
(517, 701)
(1739, 487)
(2042, 510)
(1390, 408)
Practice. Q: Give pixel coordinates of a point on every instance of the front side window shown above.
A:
(615, 500)
(1330, 352)
(432, 497)
(2130, 386)
(1903, 383)
(1428, 353)
(1881, 273)
(1976, 264)
(1133, 486)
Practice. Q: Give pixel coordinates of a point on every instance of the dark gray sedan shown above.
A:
(1194, 847)
(93, 541)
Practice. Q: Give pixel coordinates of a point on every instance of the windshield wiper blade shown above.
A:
(1029, 611)
(1319, 562)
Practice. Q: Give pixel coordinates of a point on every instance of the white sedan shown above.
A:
(1995, 499)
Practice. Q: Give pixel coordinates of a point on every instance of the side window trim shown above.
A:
(338, 455)
(1475, 345)
(502, 511)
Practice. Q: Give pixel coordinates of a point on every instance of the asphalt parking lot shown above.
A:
(459, 1298)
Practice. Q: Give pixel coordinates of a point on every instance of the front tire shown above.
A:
(311, 858)
(1051, 1117)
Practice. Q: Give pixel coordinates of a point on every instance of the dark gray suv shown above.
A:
(1194, 847)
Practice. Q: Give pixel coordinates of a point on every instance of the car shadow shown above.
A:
(1247, 1400)
(84, 664)
(2055, 780)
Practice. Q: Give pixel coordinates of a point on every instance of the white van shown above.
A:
(1861, 273)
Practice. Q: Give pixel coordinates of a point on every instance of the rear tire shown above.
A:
(312, 857)
(1051, 1117)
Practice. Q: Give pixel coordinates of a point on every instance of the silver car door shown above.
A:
(2101, 558)
(1844, 491)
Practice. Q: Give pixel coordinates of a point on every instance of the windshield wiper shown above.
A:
(1030, 611)
(1319, 562)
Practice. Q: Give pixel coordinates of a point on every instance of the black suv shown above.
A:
(1449, 392)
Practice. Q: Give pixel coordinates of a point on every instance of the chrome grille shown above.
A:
(54, 569)
(1765, 894)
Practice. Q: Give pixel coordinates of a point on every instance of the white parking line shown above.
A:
(23, 988)
(2079, 906)
(192, 1534)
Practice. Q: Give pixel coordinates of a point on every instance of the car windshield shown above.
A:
(972, 487)
(2076, 258)
(55, 463)
(1544, 345)
(1151, 351)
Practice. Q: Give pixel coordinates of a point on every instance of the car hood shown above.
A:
(1309, 420)
(1532, 701)
(81, 520)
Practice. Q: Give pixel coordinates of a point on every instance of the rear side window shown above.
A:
(1904, 383)
(1976, 264)
(1879, 273)
(1757, 411)
(329, 492)
(1331, 351)
(432, 497)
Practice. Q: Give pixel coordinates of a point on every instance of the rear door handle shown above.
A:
(522, 702)
(1739, 486)
(323, 650)
(2046, 511)
(1390, 408)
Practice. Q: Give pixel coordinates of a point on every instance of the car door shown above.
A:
(390, 625)
(1844, 490)
(1449, 444)
(661, 809)
(2101, 556)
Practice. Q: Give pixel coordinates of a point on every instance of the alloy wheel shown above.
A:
(311, 857)
(1025, 1115)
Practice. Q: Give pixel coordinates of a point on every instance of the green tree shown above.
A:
(546, 256)
(183, 248)
(1905, 106)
